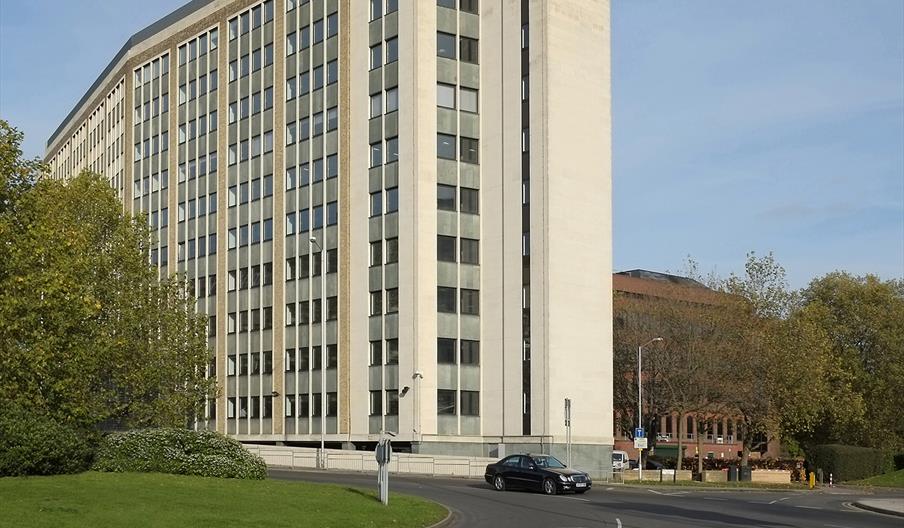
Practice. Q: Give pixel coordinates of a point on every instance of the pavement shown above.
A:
(474, 503)
(885, 506)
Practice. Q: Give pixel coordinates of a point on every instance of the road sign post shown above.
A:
(383, 455)
(568, 432)
(640, 443)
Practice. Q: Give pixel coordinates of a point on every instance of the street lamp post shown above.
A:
(322, 458)
(640, 403)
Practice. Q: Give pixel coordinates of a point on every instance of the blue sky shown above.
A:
(738, 126)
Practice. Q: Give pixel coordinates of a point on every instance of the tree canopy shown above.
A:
(88, 331)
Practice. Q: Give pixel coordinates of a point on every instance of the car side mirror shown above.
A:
(531, 467)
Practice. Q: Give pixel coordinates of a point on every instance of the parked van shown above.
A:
(619, 460)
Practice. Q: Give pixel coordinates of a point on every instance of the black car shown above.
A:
(536, 472)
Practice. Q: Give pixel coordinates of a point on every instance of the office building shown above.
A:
(450, 160)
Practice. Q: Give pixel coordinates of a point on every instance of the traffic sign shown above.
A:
(639, 432)
(640, 443)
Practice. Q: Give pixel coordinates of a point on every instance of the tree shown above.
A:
(777, 358)
(87, 331)
(863, 318)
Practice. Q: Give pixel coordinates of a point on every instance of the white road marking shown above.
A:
(654, 491)
(617, 520)
(714, 498)
(609, 489)
(809, 507)
(779, 500)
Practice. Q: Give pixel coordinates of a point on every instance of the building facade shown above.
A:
(412, 195)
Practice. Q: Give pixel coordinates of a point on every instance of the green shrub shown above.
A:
(178, 451)
(33, 444)
(849, 462)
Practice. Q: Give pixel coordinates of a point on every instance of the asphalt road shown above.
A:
(475, 504)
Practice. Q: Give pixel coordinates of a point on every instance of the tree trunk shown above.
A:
(681, 421)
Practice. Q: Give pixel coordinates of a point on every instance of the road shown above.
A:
(475, 504)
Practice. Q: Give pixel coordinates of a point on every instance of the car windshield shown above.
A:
(548, 461)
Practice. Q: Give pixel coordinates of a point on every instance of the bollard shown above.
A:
(812, 480)
(831, 483)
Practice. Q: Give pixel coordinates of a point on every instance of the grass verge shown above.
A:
(154, 499)
(895, 479)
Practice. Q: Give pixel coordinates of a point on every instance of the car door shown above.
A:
(531, 474)
(510, 470)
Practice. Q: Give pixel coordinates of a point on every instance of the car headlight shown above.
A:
(564, 478)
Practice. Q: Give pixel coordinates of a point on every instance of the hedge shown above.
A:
(34, 444)
(849, 462)
(178, 451)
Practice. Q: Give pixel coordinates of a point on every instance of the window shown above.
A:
(470, 352)
(470, 251)
(376, 9)
(445, 350)
(392, 351)
(445, 197)
(525, 36)
(392, 250)
(525, 244)
(290, 43)
(376, 353)
(392, 50)
(445, 248)
(470, 201)
(470, 403)
(376, 403)
(446, 3)
(445, 45)
(470, 301)
(332, 25)
(470, 150)
(525, 140)
(392, 200)
(525, 88)
(468, 99)
(376, 204)
(392, 300)
(445, 300)
(290, 314)
(376, 253)
(445, 146)
(376, 302)
(468, 6)
(290, 88)
(445, 95)
(468, 50)
(392, 402)
(392, 100)
(392, 149)
(332, 118)
(445, 401)
(332, 72)
(376, 56)
(376, 104)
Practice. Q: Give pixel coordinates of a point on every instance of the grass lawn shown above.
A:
(895, 479)
(154, 499)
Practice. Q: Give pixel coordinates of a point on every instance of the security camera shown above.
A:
(313, 239)
(404, 390)
(418, 374)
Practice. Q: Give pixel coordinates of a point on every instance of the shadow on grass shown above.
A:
(369, 495)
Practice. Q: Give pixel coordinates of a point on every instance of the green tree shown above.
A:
(777, 358)
(863, 318)
(87, 331)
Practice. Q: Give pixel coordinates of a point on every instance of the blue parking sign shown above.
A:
(639, 433)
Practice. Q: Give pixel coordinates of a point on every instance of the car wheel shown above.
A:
(549, 487)
(499, 483)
